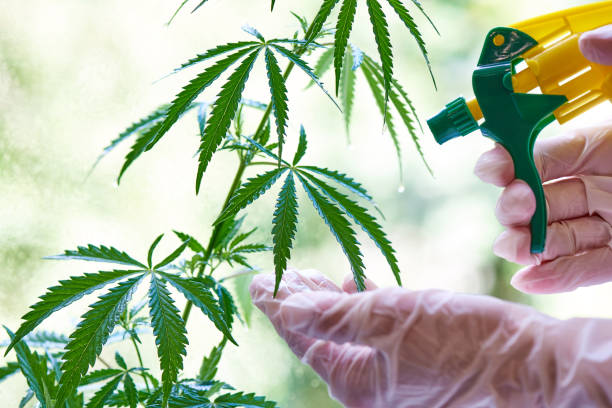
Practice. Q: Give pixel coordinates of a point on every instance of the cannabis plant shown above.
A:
(68, 371)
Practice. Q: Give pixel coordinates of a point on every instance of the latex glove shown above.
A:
(577, 171)
(394, 348)
(579, 208)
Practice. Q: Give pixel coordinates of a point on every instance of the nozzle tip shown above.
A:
(453, 121)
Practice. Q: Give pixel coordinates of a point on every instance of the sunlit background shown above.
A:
(74, 73)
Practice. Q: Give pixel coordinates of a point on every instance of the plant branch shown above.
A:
(144, 377)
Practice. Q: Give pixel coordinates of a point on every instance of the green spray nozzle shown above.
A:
(512, 119)
(453, 121)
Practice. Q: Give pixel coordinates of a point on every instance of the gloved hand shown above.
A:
(395, 348)
(578, 172)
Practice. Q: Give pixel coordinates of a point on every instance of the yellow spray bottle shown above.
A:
(528, 75)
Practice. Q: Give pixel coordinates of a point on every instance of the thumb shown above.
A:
(596, 45)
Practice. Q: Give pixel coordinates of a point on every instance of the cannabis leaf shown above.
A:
(103, 394)
(91, 334)
(279, 98)
(99, 254)
(223, 113)
(169, 331)
(380, 30)
(249, 192)
(208, 369)
(198, 293)
(332, 206)
(347, 89)
(284, 226)
(343, 31)
(67, 292)
(8, 370)
(340, 228)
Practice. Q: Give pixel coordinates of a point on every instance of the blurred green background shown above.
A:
(74, 73)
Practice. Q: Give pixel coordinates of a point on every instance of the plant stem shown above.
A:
(217, 230)
(144, 377)
(236, 183)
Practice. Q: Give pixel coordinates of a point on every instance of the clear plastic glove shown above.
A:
(395, 348)
(577, 169)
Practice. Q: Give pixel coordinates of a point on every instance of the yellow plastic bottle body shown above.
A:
(557, 66)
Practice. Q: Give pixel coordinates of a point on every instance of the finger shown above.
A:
(262, 293)
(349, 285)
(356, 318)
(495, 167)
(563, 238)
(565, 274)
(583, 151)
(565, 199)
(596, 45)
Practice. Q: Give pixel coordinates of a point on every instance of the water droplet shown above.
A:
(401, 189)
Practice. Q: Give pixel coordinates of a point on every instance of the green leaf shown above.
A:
(420, 7)
(272, 5)
(8, 370)
(347, 90)
(342, 179)
(143, 141)
(380, 102)
(91, 334)
(251, 248)
(223, 113)
(99, 254)
(322, 15)
(226, 301)
(169, 331)
(99, 375)
(278, 90)
(208, 369)
(58, 297)
(192, 243)
(191, 91)
(381, 36)
(241, 399)
(323, 64)
(177, 11)
(340, 228)
(26, 398)
(364, 220)
(343, 32)
(34, 369)
(199, 294)
(120, 360)
(252, 189)
(152, 250)
(130, 390)
(144, 123)
(284, 226)
(301, 149)
(175, 254)
(46, 339)
(303, 65)
(265, 150)
(198, 6)
(241, 237)
(407, 19)
(103, 394)
(214, 52)
(227, 232)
